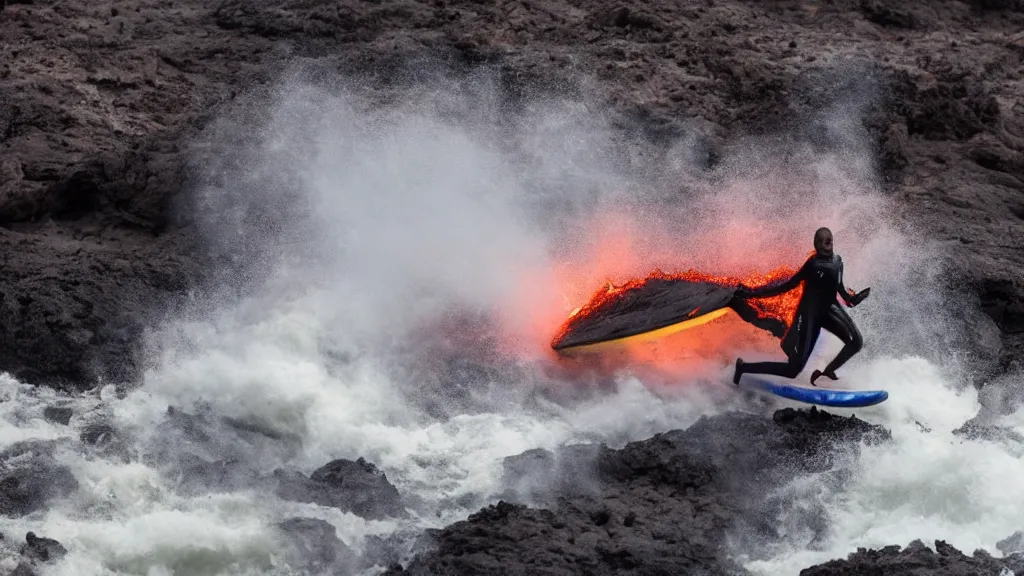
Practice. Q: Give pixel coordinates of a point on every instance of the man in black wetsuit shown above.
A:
(822, 275)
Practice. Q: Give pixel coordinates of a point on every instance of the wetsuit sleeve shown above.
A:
(782, 287)
(844, 292)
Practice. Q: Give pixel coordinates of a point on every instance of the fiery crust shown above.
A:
(608, 297)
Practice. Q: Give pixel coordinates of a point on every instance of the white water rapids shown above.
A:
(371, 224)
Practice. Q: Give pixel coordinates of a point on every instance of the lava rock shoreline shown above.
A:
(675, 504)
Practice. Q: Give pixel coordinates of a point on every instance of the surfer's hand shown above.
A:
(860, 296)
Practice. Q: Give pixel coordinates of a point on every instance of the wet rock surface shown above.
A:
(659, 506)
(31, 477)
(313, 546)
(918, 560)
(1013, 544)
(42, 549)
(35, 554)
(202, 452)
(354, 486)
(669, 504)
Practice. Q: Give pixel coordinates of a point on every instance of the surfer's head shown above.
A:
(823, 241)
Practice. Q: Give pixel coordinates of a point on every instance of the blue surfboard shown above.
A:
(820, 396)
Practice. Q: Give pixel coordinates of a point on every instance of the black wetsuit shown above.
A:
(823, 279)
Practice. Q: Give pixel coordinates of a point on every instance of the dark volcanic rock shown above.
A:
(205, 451)
(42, 549)
(104, 440)
(58, 415)
(68, 298)
(313, 546)
(388, 551)
(1012, 544)
(917, 560)
(98, 434)
(30, 478)
(356, 486)
(975, 430)
(658, 506)
(35, 551)
(23, 569)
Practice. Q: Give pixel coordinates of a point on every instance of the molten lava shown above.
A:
(778, 308)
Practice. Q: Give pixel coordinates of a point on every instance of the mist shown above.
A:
(410, 262)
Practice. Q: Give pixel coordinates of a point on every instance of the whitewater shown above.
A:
(403, 268)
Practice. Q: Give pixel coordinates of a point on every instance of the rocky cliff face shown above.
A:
(100, 101)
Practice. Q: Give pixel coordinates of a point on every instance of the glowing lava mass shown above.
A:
(661, 304)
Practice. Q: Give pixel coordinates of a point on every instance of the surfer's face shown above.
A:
(823, 242)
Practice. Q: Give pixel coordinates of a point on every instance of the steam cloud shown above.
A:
(444, 198)
(393, 274)
(433, 245)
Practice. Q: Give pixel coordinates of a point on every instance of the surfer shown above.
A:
(822, 276)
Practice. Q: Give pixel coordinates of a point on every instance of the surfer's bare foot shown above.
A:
(738, 372)
(818, 373)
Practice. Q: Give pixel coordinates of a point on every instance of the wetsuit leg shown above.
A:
(838, 322)
(747, 312)
(796, 363)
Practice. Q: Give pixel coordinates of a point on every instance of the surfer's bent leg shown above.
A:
(838, 322)
(747, 312)
(789, 369)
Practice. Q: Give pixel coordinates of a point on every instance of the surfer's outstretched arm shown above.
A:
(776, 289)
(849, 296)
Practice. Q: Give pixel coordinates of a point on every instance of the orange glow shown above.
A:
(616, 252)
